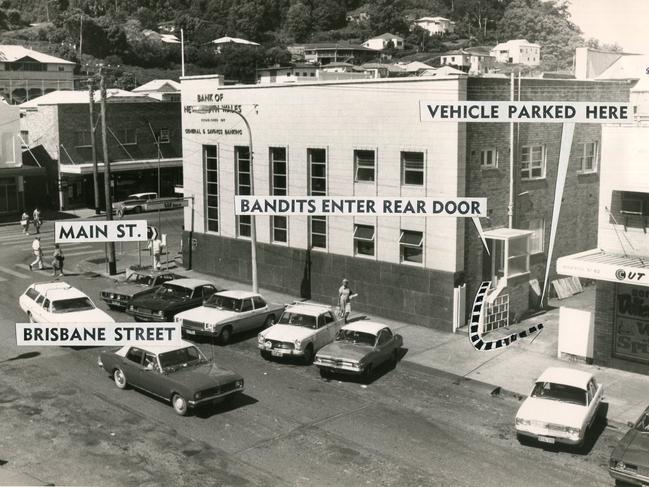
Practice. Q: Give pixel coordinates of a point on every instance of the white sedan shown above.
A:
(561, 408)
(58, 302)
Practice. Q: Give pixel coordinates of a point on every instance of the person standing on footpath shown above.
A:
(37, 220)
(38, 252)
(24, 222)
(345, 295)
(57, 261)
(156, 249)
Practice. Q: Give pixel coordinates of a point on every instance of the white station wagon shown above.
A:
(58, 302)
(301, 331)
(561, 408)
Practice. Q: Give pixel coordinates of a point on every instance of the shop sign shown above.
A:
(631, 332)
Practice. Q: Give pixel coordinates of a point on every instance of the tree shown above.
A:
(298, 21)
(239, 62)
(387, 16)
(328, 15)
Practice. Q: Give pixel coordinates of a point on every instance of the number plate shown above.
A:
(190, 332)
(276, 353)
(546, 439)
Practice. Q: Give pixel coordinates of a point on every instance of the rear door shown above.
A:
(132, 366)
(246, 318)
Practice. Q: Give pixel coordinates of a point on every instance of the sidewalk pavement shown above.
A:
(51, 215)
(12, 478)
(512, 369)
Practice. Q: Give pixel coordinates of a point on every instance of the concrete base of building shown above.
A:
(406, 293)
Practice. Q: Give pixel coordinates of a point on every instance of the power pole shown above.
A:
(95, 174)
(112, 265)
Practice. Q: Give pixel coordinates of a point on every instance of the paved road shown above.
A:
(65, 422)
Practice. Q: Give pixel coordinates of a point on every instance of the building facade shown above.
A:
(143, 138)
(472, 62)
(381, 42)
(517, 51)
(436, 25)
(365, 138)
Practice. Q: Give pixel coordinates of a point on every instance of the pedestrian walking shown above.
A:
(156, 250)
(36, 218)
(24, 222)
(38, 252)
(57, 261)
(345, 295)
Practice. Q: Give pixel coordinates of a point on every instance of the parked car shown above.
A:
(629, 462)
(58, 302)
(139, 202)
(561, 408)
(301, 331)
(359, 348)
(229, 312)
(178, 373)
(136, 284)
(171, 298)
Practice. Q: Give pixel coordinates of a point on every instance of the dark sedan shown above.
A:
(629, 463)
(178, 373)
(170, 298)
(136, 284)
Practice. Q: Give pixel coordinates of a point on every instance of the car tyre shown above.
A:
(324, 373)
(367, 374)
(270, 321)
(308, 355)
(180, 405)
(265, 354)
(226, 334)
(119, 378)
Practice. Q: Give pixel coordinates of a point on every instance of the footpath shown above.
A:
(508, 371)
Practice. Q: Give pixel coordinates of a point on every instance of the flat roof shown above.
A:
(565, 376)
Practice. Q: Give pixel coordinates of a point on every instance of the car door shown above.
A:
(132, 364)
(151, 377)
(594, 396)
(332, 325)
(382, 348)
(323, 333)
(261, 311)
(38, 314)
(246, 317)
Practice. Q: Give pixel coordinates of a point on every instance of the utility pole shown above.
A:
(95, 170)
(112, 265)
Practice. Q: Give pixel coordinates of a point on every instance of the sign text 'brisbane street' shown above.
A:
(321, 205)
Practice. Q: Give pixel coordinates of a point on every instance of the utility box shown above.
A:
(576, 334)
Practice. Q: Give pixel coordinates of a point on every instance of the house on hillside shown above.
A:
(381, 42)
(361, 14)
(436, 25)
(160, 89)
(517, 51)
(333, 52)
(472, 61)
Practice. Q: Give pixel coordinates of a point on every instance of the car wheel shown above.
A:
(265, 354)
(367, 374)
(324, 373)
(180, 404)
(226, 334)
(120, 379)
(394, 360)
(270, 321)
(308, 355)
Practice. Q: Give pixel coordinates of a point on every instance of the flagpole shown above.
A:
(182, 52)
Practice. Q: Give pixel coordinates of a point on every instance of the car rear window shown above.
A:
(32, 293)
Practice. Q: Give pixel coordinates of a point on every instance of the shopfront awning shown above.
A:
(122, 166)
(606, 266)
(22, 171)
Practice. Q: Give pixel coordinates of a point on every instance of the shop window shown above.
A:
(411, 246)
(317, 160)
(537, 239)
(364, 165)
(412, 168)
(489, 158)
(533, 162)
(364, 240)
(280, 229)
(588, 158)
(244, 187)
(211, 169)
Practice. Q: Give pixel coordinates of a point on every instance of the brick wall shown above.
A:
(577, 228)
(410, 294)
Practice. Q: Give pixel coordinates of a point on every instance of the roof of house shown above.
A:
(471, 51)
(565, 376)
(365, 326)
(514, 43)
(626, 67)
(338, 65)
(415, 66)
(60, 97)
(387, 36)
(164, 85)
(433, 19)
(10, 53)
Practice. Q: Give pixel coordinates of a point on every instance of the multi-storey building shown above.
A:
(365, 138)
(517, 51)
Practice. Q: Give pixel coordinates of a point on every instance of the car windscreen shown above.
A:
(560, 392)
(71, 305)
(297, 319)
(643, 423)
(357, 337)
(172, 291)
(223, 302)
(140, 279)
(182, 357)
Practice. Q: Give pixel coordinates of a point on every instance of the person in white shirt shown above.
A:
(38, 252)
(156, 250)
(37, 220)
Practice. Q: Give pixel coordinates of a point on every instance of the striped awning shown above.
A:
(606, 266)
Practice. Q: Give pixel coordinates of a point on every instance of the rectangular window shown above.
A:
(489, 158)
(364, 240)
(364, 161)
(278, 187)
(533, 162)
(317, 160)
(244, 186)
(163, 136)
(411, 246)
(211, 168)
(126, 136)
(537, 239)
(412, 168)
(589, 154)
(82, 138)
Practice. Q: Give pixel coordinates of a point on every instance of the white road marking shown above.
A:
(14, 273)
